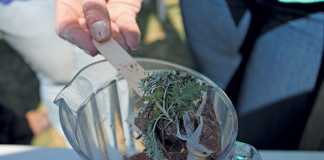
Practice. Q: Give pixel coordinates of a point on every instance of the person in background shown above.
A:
(266, 54)
(20, 119)
(28, 26)
(16, 129)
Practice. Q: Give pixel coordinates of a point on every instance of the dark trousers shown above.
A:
(14, 129)
(267, 58)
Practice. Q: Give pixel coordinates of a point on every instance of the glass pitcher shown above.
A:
(98, 100)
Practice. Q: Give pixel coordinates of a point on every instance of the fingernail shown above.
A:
(100, 31)
(132, 43)
(91, 53)
(65, 35)
(134, 48)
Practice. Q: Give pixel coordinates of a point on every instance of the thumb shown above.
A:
(97, 19)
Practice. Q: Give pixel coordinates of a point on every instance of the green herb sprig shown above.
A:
(171, 94)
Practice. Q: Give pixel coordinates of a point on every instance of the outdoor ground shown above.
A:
(161, 40)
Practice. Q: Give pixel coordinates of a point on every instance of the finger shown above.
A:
(97, 18)
(67, 12)
(116, 35)
(77, 35)
(129, 29)
(68, 26)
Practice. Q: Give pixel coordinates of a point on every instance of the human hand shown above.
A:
(80, 21)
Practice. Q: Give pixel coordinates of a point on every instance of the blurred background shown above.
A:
(163, 37)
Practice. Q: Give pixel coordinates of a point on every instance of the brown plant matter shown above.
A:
(172, 99)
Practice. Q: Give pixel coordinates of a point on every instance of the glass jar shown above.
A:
(98, 97)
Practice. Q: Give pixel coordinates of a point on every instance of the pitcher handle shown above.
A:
(69, 132)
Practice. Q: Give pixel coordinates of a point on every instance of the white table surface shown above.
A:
(13, 152)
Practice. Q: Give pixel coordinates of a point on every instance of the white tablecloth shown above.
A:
(11, 152)
(292, 155)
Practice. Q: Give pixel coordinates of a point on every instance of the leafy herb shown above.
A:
(170, 94)
(152, 144)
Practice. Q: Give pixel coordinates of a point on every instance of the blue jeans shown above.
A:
(280, 73)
